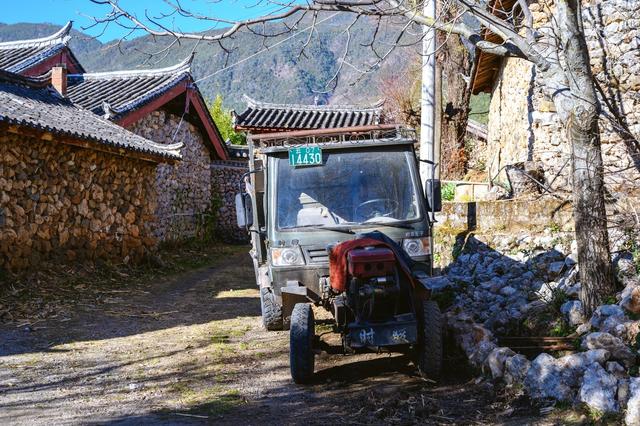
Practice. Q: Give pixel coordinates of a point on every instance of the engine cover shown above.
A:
(371, 262)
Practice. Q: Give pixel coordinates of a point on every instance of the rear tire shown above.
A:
(430, 344)
(301, 337)
(271, 310)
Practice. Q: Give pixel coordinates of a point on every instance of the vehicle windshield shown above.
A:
(349, 188)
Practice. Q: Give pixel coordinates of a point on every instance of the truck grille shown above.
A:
(316, 255)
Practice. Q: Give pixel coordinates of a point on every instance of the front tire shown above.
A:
(301, 336)
(271, 310)
(430, 344)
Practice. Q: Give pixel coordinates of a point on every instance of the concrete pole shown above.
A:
(428, 130)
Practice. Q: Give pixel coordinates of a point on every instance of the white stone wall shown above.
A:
(184, 189)
(523, 125)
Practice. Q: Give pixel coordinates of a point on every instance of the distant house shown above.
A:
(37, 56)
(163, 105)
(264, 117)
(72, 184)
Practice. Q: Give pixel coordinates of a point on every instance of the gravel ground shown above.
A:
(189, 349)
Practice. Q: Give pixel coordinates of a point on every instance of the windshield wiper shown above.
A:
(392, 224)
(328, 227)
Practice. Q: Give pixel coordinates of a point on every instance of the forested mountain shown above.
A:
(278, 74)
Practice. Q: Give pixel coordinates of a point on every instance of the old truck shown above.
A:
(339, 219)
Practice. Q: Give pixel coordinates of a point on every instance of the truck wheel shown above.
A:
(271, 310)
(430, 343)
(301, 336)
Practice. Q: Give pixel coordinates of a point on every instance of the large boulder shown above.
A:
(572, 310)
(496, 359)
(515, 369)
(614, 345)
(545, 380)
(598, 389)
(608, 317)
(633, 405)
(631, 302)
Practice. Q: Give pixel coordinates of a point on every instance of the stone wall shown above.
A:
(58, 201)
(225, 184)
(523, 125)
(184, 189)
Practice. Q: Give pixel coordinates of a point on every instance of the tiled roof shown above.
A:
(18, 56)
(113, 94)
(28, 102)
(268, 116)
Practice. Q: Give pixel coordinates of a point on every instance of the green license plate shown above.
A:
(305, 156)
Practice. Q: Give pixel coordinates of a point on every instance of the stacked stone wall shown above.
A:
(68, 203)
(523, 124)
(225, 184)
(184, 207)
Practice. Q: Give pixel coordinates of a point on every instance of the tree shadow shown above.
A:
(209, 294)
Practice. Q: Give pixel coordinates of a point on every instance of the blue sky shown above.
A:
(61, 11)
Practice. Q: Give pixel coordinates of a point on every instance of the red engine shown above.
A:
(371, 262)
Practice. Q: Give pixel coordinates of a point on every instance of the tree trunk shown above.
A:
(581, 114)
(456, 64)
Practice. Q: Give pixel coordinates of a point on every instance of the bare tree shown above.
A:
(560, 57)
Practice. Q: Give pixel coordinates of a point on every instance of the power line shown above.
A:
(259, 52)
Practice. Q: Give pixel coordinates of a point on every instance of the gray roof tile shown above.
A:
(263, 115)
(30, 103)
(18, 56)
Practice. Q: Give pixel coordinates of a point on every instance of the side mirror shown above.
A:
(433, 190)
(244, 214)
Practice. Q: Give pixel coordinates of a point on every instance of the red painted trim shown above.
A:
(210, 127)
(153, 105)
(194, 97)
(62, 57)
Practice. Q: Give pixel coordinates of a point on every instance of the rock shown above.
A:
(515, 369)
(623, 393)
(607, 315)
(598, 389)
(632, 302)
(496, 359)
(633, 405)
(572, 310)
(616, 370)
(614, 345)
(555, 268)
(507, 291)
(544, 380)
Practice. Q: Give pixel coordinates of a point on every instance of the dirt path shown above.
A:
(189, 349)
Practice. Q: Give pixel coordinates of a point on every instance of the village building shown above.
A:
(159, 108)
(163, 105)
(73, 185)
(524, 131)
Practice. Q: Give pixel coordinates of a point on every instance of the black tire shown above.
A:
(430, 344)
(271, 310)
(301, 337)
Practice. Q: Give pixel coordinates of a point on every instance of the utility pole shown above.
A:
(430, 102)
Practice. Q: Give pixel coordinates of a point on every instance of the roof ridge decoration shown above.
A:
(254, 104)
(60, 37)
(183, 67)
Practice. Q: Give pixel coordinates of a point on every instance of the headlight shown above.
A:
(287, 256)
(417, 246)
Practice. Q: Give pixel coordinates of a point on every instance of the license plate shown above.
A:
(305, 156)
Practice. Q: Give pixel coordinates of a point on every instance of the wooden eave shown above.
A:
(487, 65)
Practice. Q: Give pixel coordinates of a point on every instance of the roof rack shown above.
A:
(324, 136)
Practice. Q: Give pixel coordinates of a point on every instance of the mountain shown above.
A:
(277, 74)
